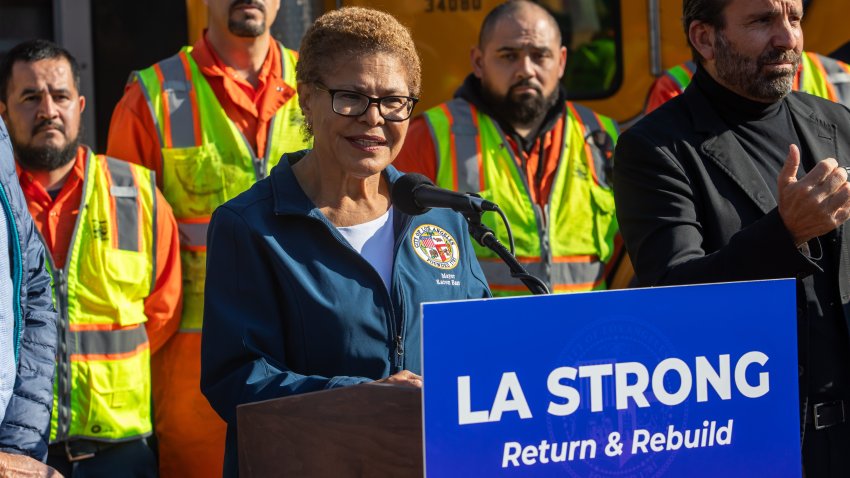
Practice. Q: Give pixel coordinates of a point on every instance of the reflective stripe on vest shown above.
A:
(181, 120)
(103, 386)
(206, 158)
(107, 344)
(838, 75)
(124, 193)
(474, 156)
(825, 77)
(682, 74)
(581, 275)
(813, 78)
(193, 234)
(466, 145)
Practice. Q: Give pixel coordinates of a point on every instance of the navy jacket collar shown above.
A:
(289, 198)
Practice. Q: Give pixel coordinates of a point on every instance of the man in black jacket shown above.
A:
(740, 179)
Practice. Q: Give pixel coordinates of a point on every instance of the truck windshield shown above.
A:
(590, 31)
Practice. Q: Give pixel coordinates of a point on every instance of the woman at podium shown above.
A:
(314, 279)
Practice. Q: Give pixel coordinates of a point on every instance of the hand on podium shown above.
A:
(22, 466)
(405, 378)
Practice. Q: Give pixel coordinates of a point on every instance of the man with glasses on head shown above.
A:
(210, 120)
(511, 135)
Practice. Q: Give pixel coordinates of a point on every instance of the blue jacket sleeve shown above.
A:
(25, 428)
(242, 344)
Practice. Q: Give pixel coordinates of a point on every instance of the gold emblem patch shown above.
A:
(435, 246)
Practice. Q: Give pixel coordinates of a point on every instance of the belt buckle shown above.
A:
(79, 457)
(816, 413)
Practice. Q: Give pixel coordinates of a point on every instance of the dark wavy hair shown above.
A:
(707, 11)
(31, 51)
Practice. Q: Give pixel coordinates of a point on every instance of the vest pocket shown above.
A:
(120, 397)
(132, 273)
(605, 221)
(128, 267)
(198, 179)
(197, 169)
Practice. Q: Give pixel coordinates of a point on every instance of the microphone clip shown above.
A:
(487, 238)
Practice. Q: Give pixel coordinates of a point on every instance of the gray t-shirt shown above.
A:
(7, 316)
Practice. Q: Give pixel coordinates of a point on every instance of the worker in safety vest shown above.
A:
(818, 75)
(114, 259)
(210, 120)
(510, 135)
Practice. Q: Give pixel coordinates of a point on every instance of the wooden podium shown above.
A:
(369, 430)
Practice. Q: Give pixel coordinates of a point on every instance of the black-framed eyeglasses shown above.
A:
(352, 103)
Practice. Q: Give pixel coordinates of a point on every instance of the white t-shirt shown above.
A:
(375, 241)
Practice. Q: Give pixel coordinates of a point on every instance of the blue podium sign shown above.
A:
(695, 381)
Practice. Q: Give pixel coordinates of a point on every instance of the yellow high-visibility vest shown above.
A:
(567, 243)
(206, 160)
(103, 386)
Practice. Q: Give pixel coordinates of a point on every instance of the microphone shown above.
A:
(415, 194)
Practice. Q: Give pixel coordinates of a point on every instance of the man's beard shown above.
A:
(244, 27)
(746, 74)
(523, 110)
(45, 158)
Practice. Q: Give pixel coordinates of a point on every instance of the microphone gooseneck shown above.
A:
(414, 194)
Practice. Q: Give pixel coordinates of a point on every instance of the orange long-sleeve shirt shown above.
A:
(191, 435)
(55, 219)
(133, 136)
(419, 155)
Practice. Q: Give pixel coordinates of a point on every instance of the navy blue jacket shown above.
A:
(291, 308)
(26, 425)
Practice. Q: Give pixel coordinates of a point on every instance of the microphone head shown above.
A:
(402, 193)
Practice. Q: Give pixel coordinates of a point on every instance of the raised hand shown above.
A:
(815, 204)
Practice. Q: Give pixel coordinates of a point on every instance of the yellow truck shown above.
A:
(616, 47)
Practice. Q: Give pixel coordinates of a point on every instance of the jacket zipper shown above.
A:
(396, 323)
(545, 247)
(541, 215)
(17, 276)
(544, 214)
(64, 361)
(399, 323)
(261, 164)
(63, 399)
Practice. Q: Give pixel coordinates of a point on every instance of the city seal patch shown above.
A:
(435, 246)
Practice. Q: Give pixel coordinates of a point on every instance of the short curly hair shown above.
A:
(356, 31)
